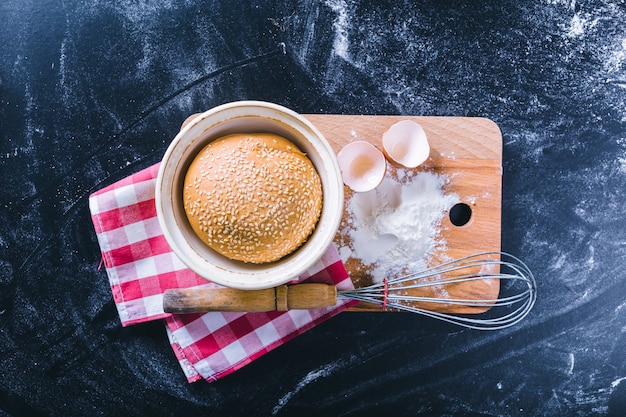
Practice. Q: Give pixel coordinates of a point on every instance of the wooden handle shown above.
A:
(285, 297)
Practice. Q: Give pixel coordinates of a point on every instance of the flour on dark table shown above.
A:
(93, 92)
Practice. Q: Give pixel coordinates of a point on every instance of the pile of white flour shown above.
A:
(394, 227)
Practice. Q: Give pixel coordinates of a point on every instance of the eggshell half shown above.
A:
(406, 144)
(362, 166)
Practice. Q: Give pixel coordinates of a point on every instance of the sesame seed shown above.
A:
(256, 200)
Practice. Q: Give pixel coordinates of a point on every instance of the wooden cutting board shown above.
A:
(468, 152)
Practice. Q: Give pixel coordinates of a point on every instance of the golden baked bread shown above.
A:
(252, 197)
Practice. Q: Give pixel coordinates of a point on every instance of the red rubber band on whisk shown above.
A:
(385, 293)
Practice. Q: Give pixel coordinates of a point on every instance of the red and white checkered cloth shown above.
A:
(141, 266)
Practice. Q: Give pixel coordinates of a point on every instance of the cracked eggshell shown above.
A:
(362, 166)
(406, 144)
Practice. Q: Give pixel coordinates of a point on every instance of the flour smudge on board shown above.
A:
(395, 228)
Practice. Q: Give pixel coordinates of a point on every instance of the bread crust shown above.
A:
(254, 197)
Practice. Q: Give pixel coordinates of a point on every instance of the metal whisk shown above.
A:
(518, 285)
(518, 293)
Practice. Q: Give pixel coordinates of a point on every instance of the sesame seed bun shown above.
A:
(252, 197)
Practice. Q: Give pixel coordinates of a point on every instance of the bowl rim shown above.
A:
(249, 276)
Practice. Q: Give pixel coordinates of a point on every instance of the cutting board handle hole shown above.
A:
(460, 214)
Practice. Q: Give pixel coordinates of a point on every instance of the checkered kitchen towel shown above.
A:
(141, 266)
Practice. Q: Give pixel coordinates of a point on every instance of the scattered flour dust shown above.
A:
(395, 227)
(622, 159)
(341, 43)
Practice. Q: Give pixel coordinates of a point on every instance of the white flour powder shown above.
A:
(394, 228)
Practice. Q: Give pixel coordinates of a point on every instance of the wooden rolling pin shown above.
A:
(283, 298)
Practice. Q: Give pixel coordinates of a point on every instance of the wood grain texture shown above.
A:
(281, 298)
(468, 151)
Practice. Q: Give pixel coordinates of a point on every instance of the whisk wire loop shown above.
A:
(517, 298)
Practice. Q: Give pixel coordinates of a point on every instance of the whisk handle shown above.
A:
(282, 298)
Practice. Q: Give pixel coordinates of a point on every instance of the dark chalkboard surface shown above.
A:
(91, 92)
